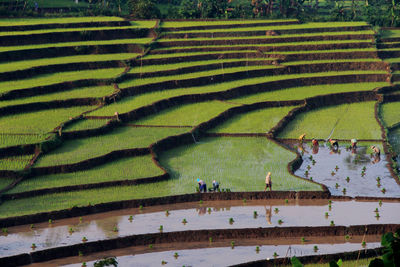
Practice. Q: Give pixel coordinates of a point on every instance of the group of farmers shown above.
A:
(268, 182)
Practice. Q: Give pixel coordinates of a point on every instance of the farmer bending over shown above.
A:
(301, 138)
(202, 185)
(353, 143)
(376, 150)
(215, 185)
(314, 142)
(334, 143)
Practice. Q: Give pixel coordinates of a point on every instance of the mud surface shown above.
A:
(351, 164)
(209, 215)
(219, 253)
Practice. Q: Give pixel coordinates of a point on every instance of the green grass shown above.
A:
(14, 140)
(19, 65)
(256, 156)
(5, 182)
(77, 44)
(153, 68)
(310, 25)
(322, 51)
(137, 82)
(346, 263)
(95, 91)
(303, 92)
(77, 150)
(393, 60)
(15, 163)
(390, 33)
(39, 122)
(176, 24)
(355, 120)
(186, 115)
(85, 124)
(291, 63)
(259, 121)
(237, 163)
(390, 113)
(121, 169)
(86, 29)
(274, 37)
(65, 20)
(53, 78)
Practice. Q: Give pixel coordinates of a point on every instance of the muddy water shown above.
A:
(209, 215)
(351, 164)
(206, 254)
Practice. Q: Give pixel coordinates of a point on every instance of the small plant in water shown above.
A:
(244, 200)
(364, 168)
(184, 221)
(326, 214)
(376, 210)
(115, 229)
(80, 254)
(276, 210)
(130, 218)
(306, 173)
(201, 202)
(315, 248)
(313, 162)
(303, 240)
(336, 168)
(80, 219)
(378, 184)
(84, 239)
(311, 178)
(231, 221)
(84, 264)
(336, 185)
(257, 249)
(383, 190)
(347, 179)
(377, 215)
(161, 228)
(255, 214)
(33, 246)
(163, 262)
(310, 157)
(286, 201)
(344, 191)
(280, 221)
(71, 230)
(380, 203)
(330, 206)
(232, 244)
(378, 179)
(50, 221)
(332, 223)
(364, 244)
(275, 255)
(209, 210)
(141, 207)
(150, 246)
(167, 213)
(32, 226)
(176, 255)
(210, 239)
(4, 230)
(308, 167)
(332, 173)
(347, 237)
(329, 201)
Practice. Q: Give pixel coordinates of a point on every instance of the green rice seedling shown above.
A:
(32, 226)
(286, 201)
(390, 113)
(280, 221)
(313, 162)
(376, 210)
(276, 210)
(345, 129)
(209, 210)
(50, 221)
(330, 206)
(378, 179)
(77, 150)
(115, 229)
(201, 202)
(326, 214)
(329, 201)
(255, 214)
(13, 163)
(231, 221)
(130, 218)
(54, 78)
(84, 264)
(347, 237)
(347, 179)
(150, 246)
(303, 239)
(315, 248)
(336, 185)
(141, 207)
(33, 246)
(167, 213)
(210, 239)
(4, 231)
(275, 255)
(311, 178)
(184, 221)
(80, 219)
(244, 201)
(84, 239)
(336, 168)
(257, 249)
(232, 244)
(363, 244)
(308, 167)
(383, 190)
(176, 255)
(380, 203)
(161, 228)
(163, 262)
(85, 125)
(344, 191)
(377, 215)
(71, 230)
(332, 223)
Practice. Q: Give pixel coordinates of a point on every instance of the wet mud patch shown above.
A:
(348, 172)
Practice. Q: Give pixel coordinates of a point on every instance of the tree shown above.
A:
(144, 9)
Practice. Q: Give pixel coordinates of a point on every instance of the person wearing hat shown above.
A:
(353, 143)
(268, 182)
(376, 150)
(301, 138)
(215, 185)
(334, 143)
(202, 185)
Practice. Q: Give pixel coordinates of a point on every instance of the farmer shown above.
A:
(202, 185)
(334, 143)
(268, 182)
(215, 185)
(376, 150)
(314, 142)
(353, 143)
(301, 138)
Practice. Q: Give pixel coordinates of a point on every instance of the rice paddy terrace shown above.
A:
(106, 124)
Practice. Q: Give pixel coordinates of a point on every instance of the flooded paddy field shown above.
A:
(348, 172)
(196, 216)
(222, 253)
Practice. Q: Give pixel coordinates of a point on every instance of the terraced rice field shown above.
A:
(103, 114)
